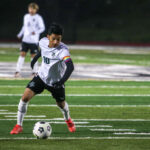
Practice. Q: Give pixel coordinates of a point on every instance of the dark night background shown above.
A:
(83, 20)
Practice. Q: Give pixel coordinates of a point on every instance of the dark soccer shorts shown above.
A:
(28, 46)
(38, 86)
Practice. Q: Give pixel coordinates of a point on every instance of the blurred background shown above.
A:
(107, 39)
(85, 21)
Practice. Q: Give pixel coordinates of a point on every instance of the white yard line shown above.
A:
(55, 122)
(12, 86)
(5, 113)
(86, 106)
(134, 120)
(27, 116)
(93, 126)
(112, 129)
(93, 86)
(131, 133)
(81, 138)
(87, 120)
(86, 95)
(49, 120)
(107, 86)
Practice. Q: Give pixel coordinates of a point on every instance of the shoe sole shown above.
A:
(16, 133)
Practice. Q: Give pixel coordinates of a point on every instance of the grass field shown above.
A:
(110, 115)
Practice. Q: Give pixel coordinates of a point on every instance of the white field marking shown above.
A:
(93, 86)
(86, 106)
(3, 110)
(5, 113)
(86, 120)
(123, 61)
(85, 95)
(27, 116)
(56, 122)
(131, 133)
(12, 86)
(105, 86)
(80, 138)
(134, 120)
(53, 122)
(79, 57)
(88, 126)
(112, 129)
(117, 60)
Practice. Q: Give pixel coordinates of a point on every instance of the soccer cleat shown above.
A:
(17, 75)
(17, 129)
(71, 125)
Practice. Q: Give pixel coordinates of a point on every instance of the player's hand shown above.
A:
(57, 85)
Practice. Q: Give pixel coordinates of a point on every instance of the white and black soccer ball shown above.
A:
(42, 130)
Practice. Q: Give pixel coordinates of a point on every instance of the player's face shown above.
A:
(54, 40)
(32, 11)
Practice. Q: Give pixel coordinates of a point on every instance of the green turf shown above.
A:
(87, 56)
(75, 144)
(124, 109)
(81, 83)
(81, 87)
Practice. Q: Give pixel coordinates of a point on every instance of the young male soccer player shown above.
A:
(54, 71)
(33, 26)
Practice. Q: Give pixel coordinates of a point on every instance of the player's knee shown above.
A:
(25, 98)
(23, 54)
(61, 104)
(33, 55)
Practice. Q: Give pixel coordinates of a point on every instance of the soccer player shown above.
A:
(54, 71)
(33, 26)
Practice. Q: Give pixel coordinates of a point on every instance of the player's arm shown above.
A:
(34, 60)
(20, 34)
(41, 26)
(69, 70)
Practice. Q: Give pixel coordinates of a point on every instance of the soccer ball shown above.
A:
(42, 130)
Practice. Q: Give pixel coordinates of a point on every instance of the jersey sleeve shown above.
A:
(41, 25)
(65, 55)
(40, 43)
(20, 34)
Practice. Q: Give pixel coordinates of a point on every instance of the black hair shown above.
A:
(56, 29)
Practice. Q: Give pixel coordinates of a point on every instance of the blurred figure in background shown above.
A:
(33, 26)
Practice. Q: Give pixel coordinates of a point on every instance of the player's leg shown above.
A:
(59, 95)
(35, 86)
(22, 109)
(63, 105)
(21, 59)
(33, 52)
